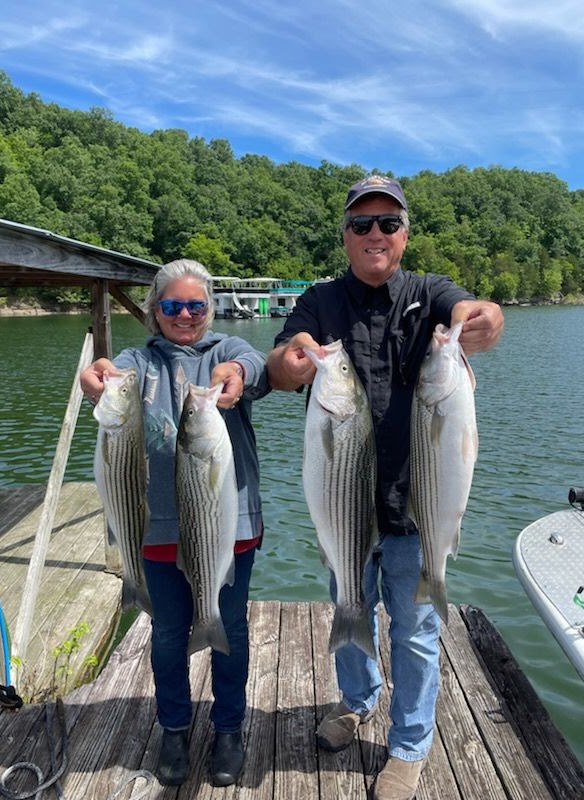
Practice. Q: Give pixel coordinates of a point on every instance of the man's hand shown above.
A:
(483, 324)
(288, 365)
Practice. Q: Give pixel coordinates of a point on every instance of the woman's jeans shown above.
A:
(172, 605)
(414, 632)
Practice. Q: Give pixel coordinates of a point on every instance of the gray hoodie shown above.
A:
(165, 370)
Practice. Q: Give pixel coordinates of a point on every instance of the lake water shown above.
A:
(529, 399)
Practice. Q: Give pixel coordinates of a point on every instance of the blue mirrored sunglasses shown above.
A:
(172, 308)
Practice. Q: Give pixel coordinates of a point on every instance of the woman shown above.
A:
(179, 311)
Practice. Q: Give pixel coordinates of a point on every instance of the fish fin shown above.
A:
(436, 426)
(215, 468)
(327, 438)
(323, 556)
(230, 574)
(469, 369)
(375, 534)
(136, 596)
(143, 600)
(470, 444)
(128, 595)
(433, 591)
(456, 543)
(213, 393)
(208, 634)
(351, 625)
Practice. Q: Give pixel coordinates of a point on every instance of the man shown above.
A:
(385, 318)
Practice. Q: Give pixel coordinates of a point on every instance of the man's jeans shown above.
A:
(172, 604)
(414, 638)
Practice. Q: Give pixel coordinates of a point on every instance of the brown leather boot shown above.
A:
(398, 780)
(338, 729)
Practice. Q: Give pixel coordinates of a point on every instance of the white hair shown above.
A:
(181, 268)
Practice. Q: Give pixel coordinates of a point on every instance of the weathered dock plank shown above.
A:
(17, 502)
(538, 737)
(262, 693)
(478, 753)
(494, 740)
(501, 746)
(75, 586)
(296, 774)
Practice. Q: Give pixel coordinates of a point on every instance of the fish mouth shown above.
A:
(338, 412)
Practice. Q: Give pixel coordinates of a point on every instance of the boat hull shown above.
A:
(549, 561)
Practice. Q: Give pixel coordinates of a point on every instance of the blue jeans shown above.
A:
(172, 604)
(414, 632)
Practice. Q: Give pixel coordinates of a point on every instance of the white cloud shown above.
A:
(503, 17)
(447, 82)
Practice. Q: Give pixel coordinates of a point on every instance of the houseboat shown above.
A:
(248, 298)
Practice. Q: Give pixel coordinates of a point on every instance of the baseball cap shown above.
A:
(376, 184)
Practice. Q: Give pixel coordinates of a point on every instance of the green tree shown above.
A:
(212, 254)
(505, 287)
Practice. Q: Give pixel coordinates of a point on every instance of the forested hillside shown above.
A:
(505, 234)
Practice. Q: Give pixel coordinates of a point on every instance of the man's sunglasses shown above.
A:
(362, 224)
(172, 308)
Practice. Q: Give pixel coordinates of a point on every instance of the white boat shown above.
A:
(549, 561)
(251, 298)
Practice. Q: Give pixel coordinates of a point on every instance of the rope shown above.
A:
(42, 782)
(141, 773)
(9, 699)
(57, 771)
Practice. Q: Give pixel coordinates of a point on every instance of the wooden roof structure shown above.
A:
(36, 257)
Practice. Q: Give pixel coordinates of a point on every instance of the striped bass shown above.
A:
(339, 475)
(121, 476)
(206, 493)
(444, 448)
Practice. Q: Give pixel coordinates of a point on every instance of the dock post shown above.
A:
(41, 543)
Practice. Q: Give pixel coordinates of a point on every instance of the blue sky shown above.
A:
(425, 84)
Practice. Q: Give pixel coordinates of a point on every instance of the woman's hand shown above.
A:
(231, 375)
(91, 379)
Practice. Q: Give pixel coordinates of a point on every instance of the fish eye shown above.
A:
(344, 368)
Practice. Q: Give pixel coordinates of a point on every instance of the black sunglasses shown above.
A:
(362, 224)
(172, 308)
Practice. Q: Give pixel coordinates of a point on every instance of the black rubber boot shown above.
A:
(173, 763)
(226, 758)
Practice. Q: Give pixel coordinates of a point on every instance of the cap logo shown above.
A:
(376, 180)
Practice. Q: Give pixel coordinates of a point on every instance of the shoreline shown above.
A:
(33, 311)
(38, 311)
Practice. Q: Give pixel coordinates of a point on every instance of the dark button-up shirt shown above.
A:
(386, 332)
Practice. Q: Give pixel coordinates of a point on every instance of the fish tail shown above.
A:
(136, 596)
(352, 625)
(209, 634)
(143, 600)
(128, 595)
(433, 591)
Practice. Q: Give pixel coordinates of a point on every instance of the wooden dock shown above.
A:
(494, 740)
(75, 590)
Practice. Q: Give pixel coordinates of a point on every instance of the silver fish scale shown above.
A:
(424, 473)
(349, 493)
(124, 479)
(444, 445)
(199, 510)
